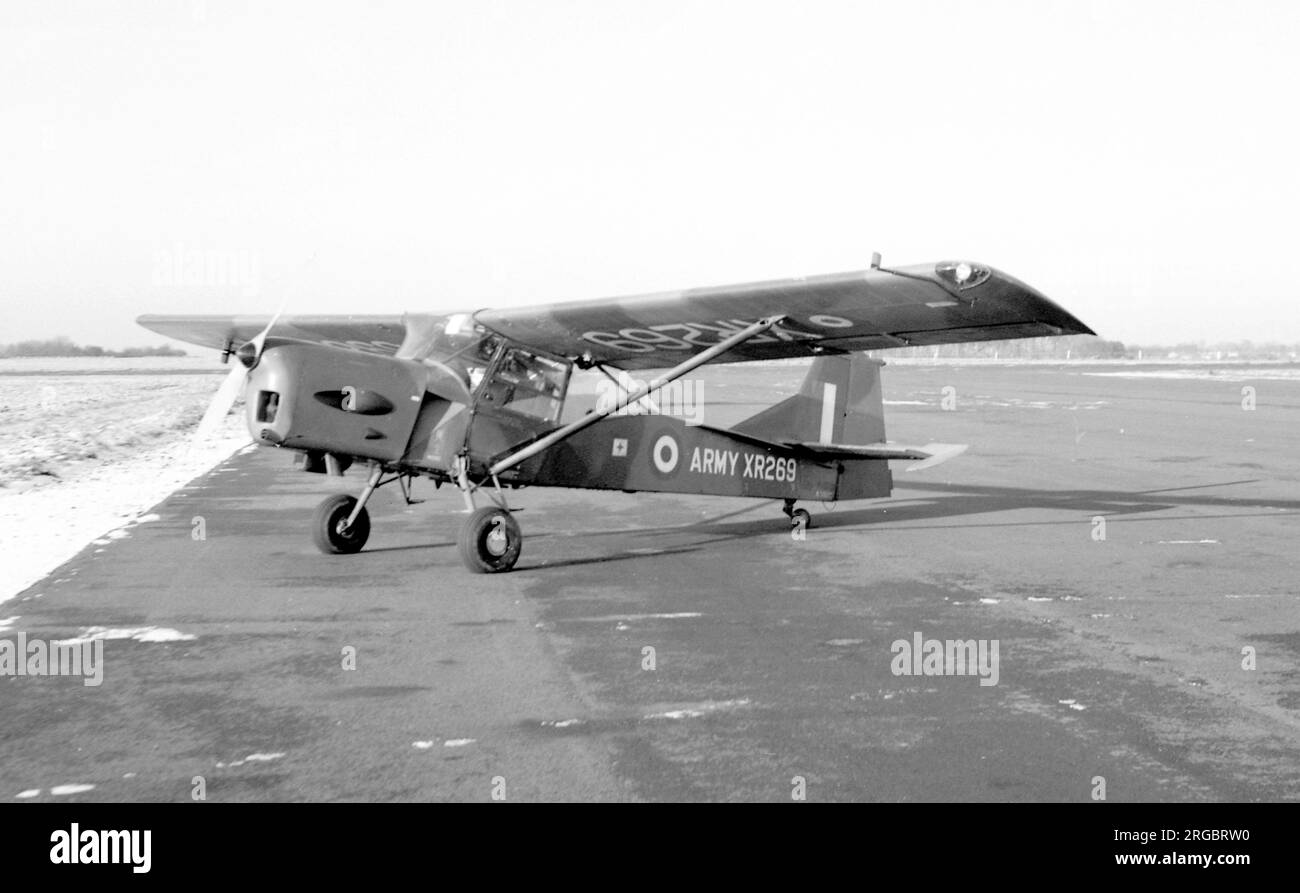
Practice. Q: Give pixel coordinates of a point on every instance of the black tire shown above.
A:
(800, 518)
(329, 518)
(490, 541)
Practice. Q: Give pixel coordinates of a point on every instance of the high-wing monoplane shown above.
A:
(476, 399)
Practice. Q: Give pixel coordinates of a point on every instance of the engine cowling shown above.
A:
(319, 398)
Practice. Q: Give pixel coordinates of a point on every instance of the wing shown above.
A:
(371, 334)
(942, 303)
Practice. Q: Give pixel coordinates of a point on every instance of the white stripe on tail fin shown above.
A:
(838, 402)
(828, 413)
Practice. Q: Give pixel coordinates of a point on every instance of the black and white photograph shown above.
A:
(568, 402)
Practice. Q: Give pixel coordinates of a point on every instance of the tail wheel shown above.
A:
(330, 528)
(800, 519)
(490, 541)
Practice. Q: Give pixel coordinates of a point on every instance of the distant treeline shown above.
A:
(62, 346)
(1090, 347)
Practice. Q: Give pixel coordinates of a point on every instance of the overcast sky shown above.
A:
(1134, 161)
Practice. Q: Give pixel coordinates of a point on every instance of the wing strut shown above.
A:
(626, 400)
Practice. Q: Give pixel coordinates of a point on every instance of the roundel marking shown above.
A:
(666, 454)
(827, 321)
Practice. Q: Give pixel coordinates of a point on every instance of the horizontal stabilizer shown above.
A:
(939, 453)
(929, 455)
(859, 451)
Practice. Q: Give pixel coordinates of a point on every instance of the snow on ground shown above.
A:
(139, 634)
(89, 445)
(1216, 373)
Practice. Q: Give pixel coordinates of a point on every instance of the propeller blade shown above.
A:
(226, 395)
(259, 340)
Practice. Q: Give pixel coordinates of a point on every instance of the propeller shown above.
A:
(246, 358)
(233, 384)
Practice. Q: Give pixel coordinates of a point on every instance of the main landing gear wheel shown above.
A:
(800, 518)
(490, 541)
(330, 530)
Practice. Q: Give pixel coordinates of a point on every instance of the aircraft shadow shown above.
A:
(955, 501)
(944, 502)
(605, 559)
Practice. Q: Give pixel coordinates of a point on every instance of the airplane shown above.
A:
(475, 399)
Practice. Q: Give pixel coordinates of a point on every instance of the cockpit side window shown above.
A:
(527, 383)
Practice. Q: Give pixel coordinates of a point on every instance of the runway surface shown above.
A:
(1119, 657)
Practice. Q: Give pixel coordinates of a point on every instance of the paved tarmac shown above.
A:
(1120, 647)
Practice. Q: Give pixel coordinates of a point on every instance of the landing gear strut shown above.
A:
(331, 530)
(341, 524)
(490, 540)
(800, 519)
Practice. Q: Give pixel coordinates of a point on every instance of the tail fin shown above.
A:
(839, 402)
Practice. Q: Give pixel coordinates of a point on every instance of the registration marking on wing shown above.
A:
(690, 335)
